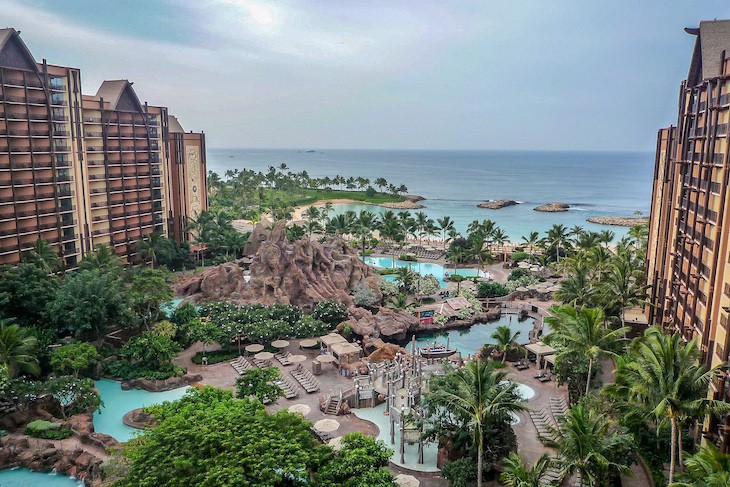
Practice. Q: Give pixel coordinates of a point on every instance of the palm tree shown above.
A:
(589, 446)
(557, 237)
(422, 223)
(624, 285)
(531, 241)
(103, 259)
(516, 473)
(606, 237)
(505, 339)
(582, 331)
(149, 247)
(364, 225)
(43, 256)
(500, 238)
(477, 393)
(706, 468)
(18, 350)
(577, 289)
(445, 224)
(663, 378)
(398, 302)
(405, 278)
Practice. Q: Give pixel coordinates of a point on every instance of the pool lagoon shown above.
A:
(21, 477)
(468, 341)
(423, 268)
(117, 403)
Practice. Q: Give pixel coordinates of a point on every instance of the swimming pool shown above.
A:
(423, 268)
(21, 477)
(468, 341)
(117, 403)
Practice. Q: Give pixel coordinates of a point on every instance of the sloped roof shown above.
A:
(13, 51)
(713, 37)
(120, 95)
(174, 124)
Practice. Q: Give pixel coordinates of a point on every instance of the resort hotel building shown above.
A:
(83, 170)
(688, 261)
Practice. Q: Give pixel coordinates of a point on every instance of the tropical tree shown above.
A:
(663, 379)
(18, 350)
(364, 225)
(531, 241)
(505, 339)
(624, 285)
(478, 393)
(516, 473)
(590, 445)
(102, 259)
(43, 256)
(150, 246)
(577, 289)
(583, 331)
(74, 357)
(445, 224)
(557, 238)
(706, 468)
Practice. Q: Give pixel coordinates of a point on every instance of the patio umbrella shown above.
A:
(295, 359)
(326, 425)
(279, 344)
(264, 356)
(302, 409)
(521, 290)
(326, 358)
(403, 480)
(335, 443)
(309, 343)
(254, 348)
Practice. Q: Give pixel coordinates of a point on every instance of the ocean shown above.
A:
(455, 182)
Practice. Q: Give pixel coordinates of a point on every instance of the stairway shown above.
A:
(333, 406)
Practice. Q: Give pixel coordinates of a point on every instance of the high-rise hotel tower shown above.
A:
(80, 170)
(688, 262)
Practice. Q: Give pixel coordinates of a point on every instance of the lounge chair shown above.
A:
(545, 378)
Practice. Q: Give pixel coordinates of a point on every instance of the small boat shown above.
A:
(437, 352)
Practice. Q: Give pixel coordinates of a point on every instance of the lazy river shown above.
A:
(20, 477)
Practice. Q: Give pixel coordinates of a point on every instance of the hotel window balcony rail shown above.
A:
(721, 129)
(94, 135)
(60, 133)
(92, 119)
(57, 84)
(16, 115)
(724, 99)
(30, 82)
(60, 118)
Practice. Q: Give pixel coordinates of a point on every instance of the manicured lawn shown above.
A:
(309, 196)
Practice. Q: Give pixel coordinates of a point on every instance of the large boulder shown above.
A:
(386, 324)
(301, 273)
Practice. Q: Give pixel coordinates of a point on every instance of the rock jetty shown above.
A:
(300, 273)
(554, 207)
(621, 221)
(411, 203)
(497, 205)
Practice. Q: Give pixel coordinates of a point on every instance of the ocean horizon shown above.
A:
(593, 183)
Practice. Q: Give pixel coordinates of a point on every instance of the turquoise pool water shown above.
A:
(20, 477)
(117, 403)
(423, 268)
(468, 341)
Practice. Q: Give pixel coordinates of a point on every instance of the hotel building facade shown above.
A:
(688, 261)
(79, 170)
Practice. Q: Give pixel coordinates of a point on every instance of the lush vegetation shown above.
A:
(47, 430)
(251, 447)
(259, 383)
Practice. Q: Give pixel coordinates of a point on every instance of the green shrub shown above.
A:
(461, 472)
(456, 277)
(215, 356)
(124, 369)
(370, 192)
(407, 257)
(47, 430)
(517, 274)
(491, 290)
(330, 311)
(386, 272)
(517, 256)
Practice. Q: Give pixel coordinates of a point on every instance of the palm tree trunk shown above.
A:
(679, 447)
(673, 450)
(480, 459)
(590, 372)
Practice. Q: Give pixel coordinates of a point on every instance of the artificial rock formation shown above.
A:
(386, 324)
(301, 273)
(497, 205)
(554, 207)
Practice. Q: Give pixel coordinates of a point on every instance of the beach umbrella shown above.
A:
(295, 359)
(279, 344)
(326, 358)
(302, 409)
(264, 356)
(523, 265)
(326, 425)
(309, 343)
(534, 269)
(403, 480)
(335, 443)
(254, 348)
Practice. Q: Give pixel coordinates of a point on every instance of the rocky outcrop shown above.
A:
(497, 205)
(82, 426)
(139, 419)
(43, 456)
(162, 385)
(621, 221)
(386, 324)
(301, 273)
(554, 207)
(259, 235)
(411, 203)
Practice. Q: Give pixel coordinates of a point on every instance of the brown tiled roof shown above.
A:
(174, 124)
(713, 37)
(112, 91)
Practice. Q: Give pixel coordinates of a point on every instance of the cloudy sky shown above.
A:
(420, 74)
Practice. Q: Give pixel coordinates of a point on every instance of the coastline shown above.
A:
(410, 203)
(619, 221)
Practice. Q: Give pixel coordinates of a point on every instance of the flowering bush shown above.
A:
(440, 319)
(523, 281)
(388, 288)
(363, 295)
(330, 311)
